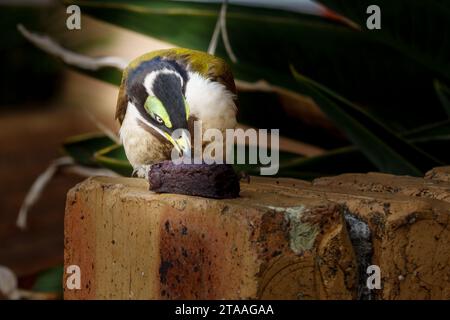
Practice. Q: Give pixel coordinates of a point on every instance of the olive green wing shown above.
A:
(211, 67)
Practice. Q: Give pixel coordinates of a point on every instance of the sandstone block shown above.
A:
(409, 230)
(439, 174)
(387, 183)
(131, 243)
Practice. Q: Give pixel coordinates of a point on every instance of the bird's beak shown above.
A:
(183, 144)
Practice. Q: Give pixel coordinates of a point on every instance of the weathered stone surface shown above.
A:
(410, 230)
(134, 244)
(439, 174)
(387, 183)
(282, 239)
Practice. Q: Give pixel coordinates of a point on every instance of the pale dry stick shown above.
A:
(8, 283)
(85, 62)
(221, 29)
(87, 172)
(48, 45)
(214, 39)
(38, 186)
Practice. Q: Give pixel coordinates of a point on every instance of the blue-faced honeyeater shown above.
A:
(165, 90)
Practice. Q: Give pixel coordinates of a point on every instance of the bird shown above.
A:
(165, 90)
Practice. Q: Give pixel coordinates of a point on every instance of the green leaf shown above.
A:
(431, 131)
(115, 159)
(434, 139)
(350, 159)
(195, 24)
(83, 147)
(107, 74)
(346, 159)
(387, 151)
(266, 110)
(284, 158)
(265, 40)
(50, 280)
(443, 93)
(413, 27)
(19, 57)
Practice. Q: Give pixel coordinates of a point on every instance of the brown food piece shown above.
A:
(217, 181)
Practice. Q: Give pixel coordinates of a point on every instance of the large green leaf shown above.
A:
(50, 280)
(83, 147)
(340, 160)
(115, 159)
(432, 138)
(432, 131)
(266, 110)
(266, 41)
(386, 150)
(350, 159)
(191, 25)
(18, 57)
(107, 74)
(284, 158)
(416, 28)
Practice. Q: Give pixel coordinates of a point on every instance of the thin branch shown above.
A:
(45, 177)
(223, 27)
(215, 38)
(37, 187)
(8, 283)
(84, 171)
(72, 58)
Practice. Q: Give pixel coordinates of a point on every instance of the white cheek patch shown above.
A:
(150, 79)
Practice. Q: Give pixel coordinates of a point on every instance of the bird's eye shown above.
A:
(159, 119)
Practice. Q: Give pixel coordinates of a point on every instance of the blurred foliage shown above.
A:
(386, 90)
(384, 148)
(267, 41)
(412, 27)
(50, 280)
(28, 75)
(114, 158)
(83, 147)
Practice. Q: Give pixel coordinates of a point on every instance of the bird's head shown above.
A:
(156, 88)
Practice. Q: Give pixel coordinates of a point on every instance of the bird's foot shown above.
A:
(142, 171)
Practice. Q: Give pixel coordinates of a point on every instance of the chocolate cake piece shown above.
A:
(217, 181)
